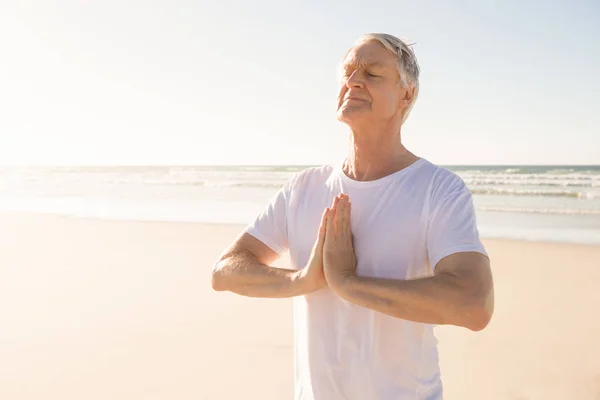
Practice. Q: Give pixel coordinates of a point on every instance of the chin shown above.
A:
(348, 115)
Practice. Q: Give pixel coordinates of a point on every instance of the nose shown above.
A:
(355, 79)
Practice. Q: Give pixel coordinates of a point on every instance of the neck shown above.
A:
(374, 155)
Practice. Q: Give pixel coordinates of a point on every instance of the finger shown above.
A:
(333, 211)
(346, 218)
(348, 214)
(336, 199)
(330, 220)
(322, 229)
(323, 225)
(339, 214)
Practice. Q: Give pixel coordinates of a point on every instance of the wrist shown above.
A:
(301, 280)
(342, 282)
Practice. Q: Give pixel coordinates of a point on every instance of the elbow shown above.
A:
(479, 314)
(478, 321)
(217, 283)
(218, 279)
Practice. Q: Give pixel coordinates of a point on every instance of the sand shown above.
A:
(93, 309)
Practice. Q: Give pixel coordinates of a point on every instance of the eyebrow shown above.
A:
(364, 64)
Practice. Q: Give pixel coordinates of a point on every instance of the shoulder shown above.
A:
(310, 176)
(445, 187)
(443, 181)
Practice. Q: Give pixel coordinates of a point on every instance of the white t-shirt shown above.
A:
(403, 225)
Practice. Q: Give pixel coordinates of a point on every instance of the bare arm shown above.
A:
(459, 293)
(245, 269)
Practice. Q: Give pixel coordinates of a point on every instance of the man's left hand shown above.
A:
(339, 260)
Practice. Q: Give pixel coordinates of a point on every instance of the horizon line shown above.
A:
(270, 165)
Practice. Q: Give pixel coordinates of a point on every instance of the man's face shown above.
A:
(370, 89)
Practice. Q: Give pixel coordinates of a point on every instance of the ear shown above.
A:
(407, 94)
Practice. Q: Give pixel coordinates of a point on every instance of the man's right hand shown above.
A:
(245, 269)
(312, 276)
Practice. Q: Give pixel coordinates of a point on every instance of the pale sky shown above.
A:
(253, 82)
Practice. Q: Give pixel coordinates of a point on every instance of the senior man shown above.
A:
(384, 246)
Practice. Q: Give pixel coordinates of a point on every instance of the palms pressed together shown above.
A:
(333, 259)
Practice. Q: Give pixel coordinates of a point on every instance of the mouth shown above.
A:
(354, 99)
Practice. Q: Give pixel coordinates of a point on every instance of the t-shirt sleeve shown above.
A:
(270, 225)
(453, 225)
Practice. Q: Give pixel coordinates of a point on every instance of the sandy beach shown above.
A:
(96, 309)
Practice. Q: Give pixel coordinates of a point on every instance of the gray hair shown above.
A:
(408, 67)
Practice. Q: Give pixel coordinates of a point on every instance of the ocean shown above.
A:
(540, 203)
